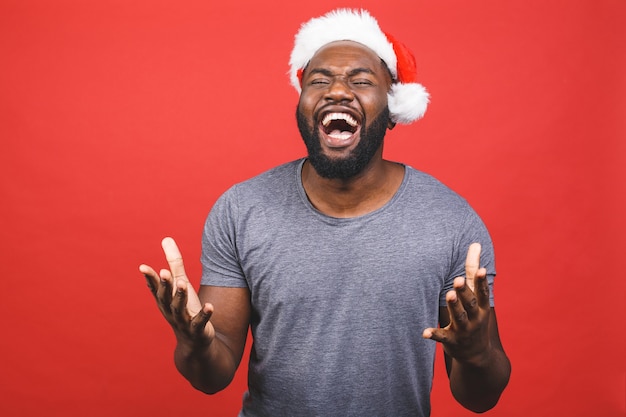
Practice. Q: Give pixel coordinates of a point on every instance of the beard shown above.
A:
(343, 168)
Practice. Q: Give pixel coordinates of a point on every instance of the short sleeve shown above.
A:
(472, 230)
(220, 261)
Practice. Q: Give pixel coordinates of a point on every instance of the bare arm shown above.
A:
(478, 382)
(477, 365)
(210, 327)
(211, 368)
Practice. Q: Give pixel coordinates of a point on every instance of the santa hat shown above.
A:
(407, 99)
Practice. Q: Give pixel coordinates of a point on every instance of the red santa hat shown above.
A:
(407, 99)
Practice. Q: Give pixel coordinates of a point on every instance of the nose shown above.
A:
(339, 91)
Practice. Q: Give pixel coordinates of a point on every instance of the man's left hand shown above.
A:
(466, 337)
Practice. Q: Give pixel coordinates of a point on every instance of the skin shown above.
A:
(477, 365)
(348, 77)
(211, 326)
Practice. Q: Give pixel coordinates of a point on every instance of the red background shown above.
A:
(122, 121)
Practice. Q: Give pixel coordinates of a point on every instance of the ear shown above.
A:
(391, 124)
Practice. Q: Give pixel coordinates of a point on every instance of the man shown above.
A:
(341, 263)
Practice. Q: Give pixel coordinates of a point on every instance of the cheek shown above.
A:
(306, 105)
(375, 105)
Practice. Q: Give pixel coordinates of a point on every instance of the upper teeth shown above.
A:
(339, 116)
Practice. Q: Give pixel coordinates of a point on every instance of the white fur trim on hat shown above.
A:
(407, 99)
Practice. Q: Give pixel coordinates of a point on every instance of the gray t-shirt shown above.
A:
(339, 305)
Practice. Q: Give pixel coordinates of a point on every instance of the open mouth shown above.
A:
(339, 127)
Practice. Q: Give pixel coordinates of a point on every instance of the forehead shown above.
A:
(346, 53)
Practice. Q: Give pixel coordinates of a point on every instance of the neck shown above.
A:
(356, 196)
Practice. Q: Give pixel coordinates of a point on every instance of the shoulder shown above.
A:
(273, 190)
(269, 180)
(426, 190)
(435, 206)
(277, 180)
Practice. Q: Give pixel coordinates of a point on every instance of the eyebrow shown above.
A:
(351, 73)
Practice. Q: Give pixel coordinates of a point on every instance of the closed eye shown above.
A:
(319, 82)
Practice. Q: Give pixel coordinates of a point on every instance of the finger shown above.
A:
(152, 279)
(482, 288)
(199, 321)
(467, 297)
(174, 259)
(458, 315)
(179, 303)
(472, 263)
(441, 335)
(164, 292)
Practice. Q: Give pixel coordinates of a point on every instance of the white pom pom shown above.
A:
(407, 102)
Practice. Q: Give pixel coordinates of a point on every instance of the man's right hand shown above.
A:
(178, 301)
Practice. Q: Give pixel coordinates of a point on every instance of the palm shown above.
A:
(178, 301)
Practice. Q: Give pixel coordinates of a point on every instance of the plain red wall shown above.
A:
(122, 121)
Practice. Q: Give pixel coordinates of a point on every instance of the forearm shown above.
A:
(478, 386)
(208, 368)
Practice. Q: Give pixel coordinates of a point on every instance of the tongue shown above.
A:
(338, 134)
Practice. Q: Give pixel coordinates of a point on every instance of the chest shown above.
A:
(313, 266)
